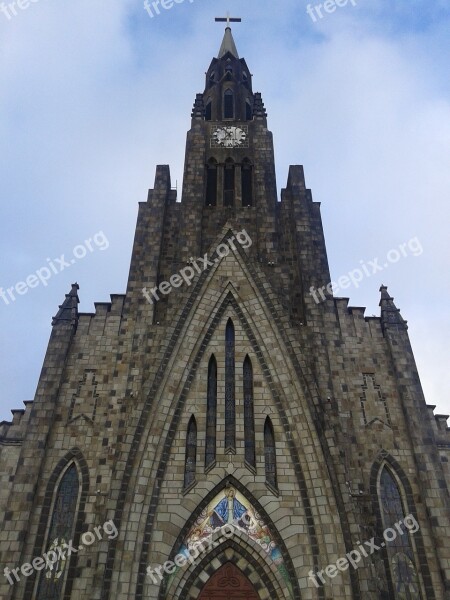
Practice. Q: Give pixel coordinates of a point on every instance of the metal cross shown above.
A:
(228, 19)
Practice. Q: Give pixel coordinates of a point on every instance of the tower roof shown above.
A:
(228, 44)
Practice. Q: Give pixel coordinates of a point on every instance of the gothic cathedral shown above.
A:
(223, 430)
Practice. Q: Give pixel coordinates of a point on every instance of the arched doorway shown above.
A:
(228, 583)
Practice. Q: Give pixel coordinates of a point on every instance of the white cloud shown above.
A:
(92, 98)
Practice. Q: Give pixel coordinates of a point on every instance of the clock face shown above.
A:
(230, 137)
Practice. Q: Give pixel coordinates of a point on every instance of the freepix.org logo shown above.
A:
(408, 525)
(53, 267)
(54, 561)
(196, 267)
(153, 7)
(201, 547)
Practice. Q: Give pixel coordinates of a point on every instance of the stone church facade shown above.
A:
(216, 432)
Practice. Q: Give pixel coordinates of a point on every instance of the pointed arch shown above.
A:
(404, 558)
(191, 584)
(248, 111)
(403, 572)
(230, 400)
(229, 182)
(247, 182)
(270, 457)
(190, 465)
(249, 413)
(211, 183)
(211, 414)
(228, 104)
(208, 110)
(280, 581)
(228, 301)
(62, 518)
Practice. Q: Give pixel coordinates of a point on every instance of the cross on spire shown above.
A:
(228, 19)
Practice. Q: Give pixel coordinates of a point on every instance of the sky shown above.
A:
(94, 95)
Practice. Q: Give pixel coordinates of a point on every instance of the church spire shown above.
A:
(228, 44)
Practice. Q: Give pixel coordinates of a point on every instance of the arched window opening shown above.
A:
(52, 582)
(403, 573)
(228, 104)
(247, 183)
(229, 176)
(191, 453)
(208, 111)
(211, 183)
(230, 401)
(249, 413)
(211, 414)
(248, 111)
(270, 453)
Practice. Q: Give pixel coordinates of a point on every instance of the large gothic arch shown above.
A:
(227, 299)
(244, 549)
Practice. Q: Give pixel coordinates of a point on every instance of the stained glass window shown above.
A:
(53, 578)
(230, 402)
(211, 413)
(191, 453)
(400, 552)
(249, 416)
(270, 453)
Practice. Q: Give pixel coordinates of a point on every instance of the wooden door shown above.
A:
(228, 583)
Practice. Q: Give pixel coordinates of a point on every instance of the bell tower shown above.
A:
(229, 184)
(230, 164)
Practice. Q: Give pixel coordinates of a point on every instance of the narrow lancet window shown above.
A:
(208, 111)
(248, 111)
(249, 414)
(230, 401)
(403, 573)
(229, 183)
(191, 453)
(211, 414)
(52, 582)
(228, 104)
(211, 183)
(270, 453)
(247, 183)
